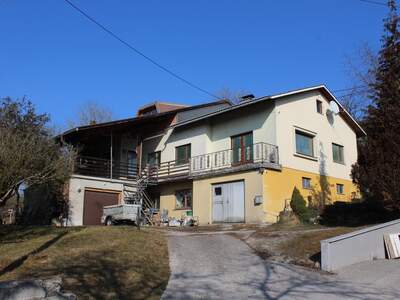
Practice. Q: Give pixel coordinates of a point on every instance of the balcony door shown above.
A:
(242, 148)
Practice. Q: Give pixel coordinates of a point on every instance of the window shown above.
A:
(154, 158)
(182, 154)
(319, 106)
(218, 191)
(304, 143)
(183, 199)
(337, 152)
(242, 148)
(306, 183)
(339, 188)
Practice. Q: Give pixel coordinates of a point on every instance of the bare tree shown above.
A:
(362, 69)
(29, 154)
(234, 96)
(91, 113)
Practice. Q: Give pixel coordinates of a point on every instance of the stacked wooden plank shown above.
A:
(392, 244)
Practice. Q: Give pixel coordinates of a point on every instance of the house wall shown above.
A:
(202, 196)
(215, 135)
(198, 136)
(167, 198)
(278, 188)
(300, 111)
(77, 186)
(259, 118)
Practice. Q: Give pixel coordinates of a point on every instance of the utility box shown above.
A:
(258, 200)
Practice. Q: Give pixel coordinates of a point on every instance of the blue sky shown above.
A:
(59, 60)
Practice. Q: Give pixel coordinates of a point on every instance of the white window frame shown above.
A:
(314, 143)
(344, 157)
(302, 183)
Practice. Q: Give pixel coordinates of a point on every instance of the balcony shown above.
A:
(231, 160)
(259, 155)
(104, 168)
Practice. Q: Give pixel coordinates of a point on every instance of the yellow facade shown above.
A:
(275, 187)
(202, 196)
(278, 187)
(168, 200)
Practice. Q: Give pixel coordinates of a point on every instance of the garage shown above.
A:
(93, 205)
(228, 202)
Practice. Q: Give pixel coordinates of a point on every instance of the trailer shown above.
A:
(121, 213)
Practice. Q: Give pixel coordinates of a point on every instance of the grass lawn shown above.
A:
(95, 262)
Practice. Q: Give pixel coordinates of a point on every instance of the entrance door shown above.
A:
(228, 202)
(93, 205)
(242, 148)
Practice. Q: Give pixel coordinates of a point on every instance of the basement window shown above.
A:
(339, 189)
(306, 183)
(183, 199)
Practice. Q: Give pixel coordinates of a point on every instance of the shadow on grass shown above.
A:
(98, 262)
(19, 261)
(102, 275)
(17, 234)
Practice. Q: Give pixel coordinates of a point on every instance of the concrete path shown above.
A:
(219, 266)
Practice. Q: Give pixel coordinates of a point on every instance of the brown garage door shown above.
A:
(93, 205)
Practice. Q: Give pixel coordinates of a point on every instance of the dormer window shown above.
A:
(319, 106)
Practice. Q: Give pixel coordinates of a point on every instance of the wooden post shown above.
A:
(140, 156)
(111, 155)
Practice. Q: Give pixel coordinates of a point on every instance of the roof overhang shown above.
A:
(152, 120)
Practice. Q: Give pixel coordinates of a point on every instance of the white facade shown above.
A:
(299, 112)
(214, 135)
(272, 121)
(77, 186)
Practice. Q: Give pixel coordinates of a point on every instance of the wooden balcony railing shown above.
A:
(98, 167)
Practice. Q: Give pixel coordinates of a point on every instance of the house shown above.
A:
(217, 161)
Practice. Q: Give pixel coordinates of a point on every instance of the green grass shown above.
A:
(94, 262)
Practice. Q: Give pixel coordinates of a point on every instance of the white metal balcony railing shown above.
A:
(256, 153)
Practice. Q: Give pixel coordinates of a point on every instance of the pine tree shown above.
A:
(377, 171)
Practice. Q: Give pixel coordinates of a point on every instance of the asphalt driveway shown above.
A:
(219, 266)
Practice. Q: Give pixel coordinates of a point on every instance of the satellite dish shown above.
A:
(333, 107)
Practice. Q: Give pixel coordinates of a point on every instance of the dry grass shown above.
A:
(298, 244)
(305, 248)
(94, 262)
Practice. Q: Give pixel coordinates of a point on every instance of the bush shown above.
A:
(355, 214)
(300, 208)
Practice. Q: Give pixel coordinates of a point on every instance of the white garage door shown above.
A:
(228, 202)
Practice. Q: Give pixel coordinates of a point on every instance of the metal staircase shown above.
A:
(135, 193)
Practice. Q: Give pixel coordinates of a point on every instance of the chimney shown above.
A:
(246, 98)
